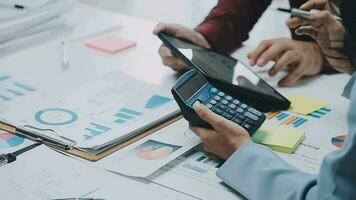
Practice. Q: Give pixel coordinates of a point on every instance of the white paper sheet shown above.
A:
(97, 112)
(195, 174)
(146, 156)
(45, 174)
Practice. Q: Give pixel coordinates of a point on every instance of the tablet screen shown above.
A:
(224, 68)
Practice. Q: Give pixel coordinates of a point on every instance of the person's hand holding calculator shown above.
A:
(225, 137)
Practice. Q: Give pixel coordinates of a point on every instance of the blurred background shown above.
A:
(191, 12)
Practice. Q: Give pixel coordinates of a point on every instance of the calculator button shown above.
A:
(240, 110)
(244, 106)
(254, 111)
(214, 90)
(227, 116)
(221, 94)
(236, 102)
(247, 126)
(224, 102)
(251, 116)
(229, 98)
(213, 102)
(237, 121)
(218, 111)
(232, 106)
(217, 98)
(209, 106)
(241, 117)
(222, 107)
(251, 122)
(231, 112)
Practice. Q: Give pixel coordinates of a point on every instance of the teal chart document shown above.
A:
(98, 113)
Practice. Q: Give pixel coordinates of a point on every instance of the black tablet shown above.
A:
(227, 74)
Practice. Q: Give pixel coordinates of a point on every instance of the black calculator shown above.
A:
(192, 87)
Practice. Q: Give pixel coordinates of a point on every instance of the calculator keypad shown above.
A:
(232, 109)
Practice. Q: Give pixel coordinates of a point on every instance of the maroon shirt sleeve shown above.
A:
(230, 21)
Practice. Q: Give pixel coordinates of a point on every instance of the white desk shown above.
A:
(41, 65)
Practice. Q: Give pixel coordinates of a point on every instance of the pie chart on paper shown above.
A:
(8, 140)
(338, 141)
(154, 152)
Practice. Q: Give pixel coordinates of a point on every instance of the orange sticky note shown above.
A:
(110, 44)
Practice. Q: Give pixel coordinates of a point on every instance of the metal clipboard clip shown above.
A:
(38, 135)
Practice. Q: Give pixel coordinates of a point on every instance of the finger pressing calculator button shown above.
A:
(221, 94)
(254, 111)
(214, 90)
(228, 98)
(236, 102)
(244, 106)
(224, 102)
(217, 98)
(251, 116)
(209, 105)
(227, 116)
(232, 106)
(218, 111)
(213, 102)
(240, 110)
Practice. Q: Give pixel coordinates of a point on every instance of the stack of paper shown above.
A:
(22, 26)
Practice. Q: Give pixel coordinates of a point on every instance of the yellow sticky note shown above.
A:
(305, 105)
(279, 138)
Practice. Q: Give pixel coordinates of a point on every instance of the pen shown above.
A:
(35, 136)
(303, 13)
(11, 5)
(65, 61)
(11, 157)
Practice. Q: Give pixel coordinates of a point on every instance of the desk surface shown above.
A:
(41, 64)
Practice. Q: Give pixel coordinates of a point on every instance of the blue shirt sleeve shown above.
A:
(257, 173)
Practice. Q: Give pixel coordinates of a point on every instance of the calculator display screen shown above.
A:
(191, 86)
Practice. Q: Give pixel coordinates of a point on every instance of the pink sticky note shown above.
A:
(110, 44)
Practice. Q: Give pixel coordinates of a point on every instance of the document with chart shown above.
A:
(325, 132)
(98, 113)
(153, 152)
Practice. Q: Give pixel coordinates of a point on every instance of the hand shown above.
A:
(327, 32)
(301, 58)
(225, 138)
(182, 32)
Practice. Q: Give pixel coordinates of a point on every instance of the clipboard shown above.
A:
(67, 146)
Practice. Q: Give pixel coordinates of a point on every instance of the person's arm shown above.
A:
(230, 22)
(257, 173)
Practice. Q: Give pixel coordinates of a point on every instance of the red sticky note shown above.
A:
(110, 44)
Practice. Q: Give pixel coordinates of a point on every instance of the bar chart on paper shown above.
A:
(296, 120)
(201, 163)
(11, 89)
(94, 130)
(126, 114)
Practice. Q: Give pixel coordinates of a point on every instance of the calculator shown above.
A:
(192, 87)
